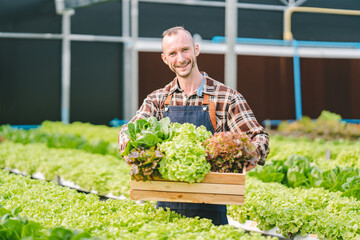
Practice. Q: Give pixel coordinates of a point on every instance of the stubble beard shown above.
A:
(185, 75)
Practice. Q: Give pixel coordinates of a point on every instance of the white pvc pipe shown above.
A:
(72, 37)
(217, 4)
(134, 56)
(188, 2)
(291, 3)
(31, 35)
(125, 18)
(300, 2)
(127, 62)
(131, 85)
(206, 46)
(94, 38)
(59, 6)
(261, 7)
(284, 2)
(231, 35)
(66, 63)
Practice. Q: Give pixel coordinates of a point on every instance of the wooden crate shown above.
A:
(216, 188)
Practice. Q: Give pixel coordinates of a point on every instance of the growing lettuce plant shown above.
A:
(141, 153)
(144, 163)
(185, 157)
(147, 133)
(227, 151)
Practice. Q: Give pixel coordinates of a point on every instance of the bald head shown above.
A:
(180, 52)
(174, 31)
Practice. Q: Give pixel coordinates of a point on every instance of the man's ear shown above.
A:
(164, 58)
(197, 50)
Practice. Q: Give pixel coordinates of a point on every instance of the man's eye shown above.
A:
(186, 49)
(172, 54)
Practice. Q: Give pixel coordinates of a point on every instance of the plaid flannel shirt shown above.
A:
(231, 110)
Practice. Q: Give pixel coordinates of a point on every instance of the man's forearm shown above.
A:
(122, 139)
(261, 141)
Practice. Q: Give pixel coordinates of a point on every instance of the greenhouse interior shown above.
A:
(99, 139)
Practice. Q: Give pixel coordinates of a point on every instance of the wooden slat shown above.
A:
(187, 197)
(216, 177)
(227, 178)
(188, 187)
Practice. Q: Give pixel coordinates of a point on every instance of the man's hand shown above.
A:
(250, 166)
(252, 163)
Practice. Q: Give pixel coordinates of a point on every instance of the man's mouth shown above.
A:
(183, 66)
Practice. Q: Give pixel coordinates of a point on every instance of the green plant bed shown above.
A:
(104, 174)
(53, 206)
(298, 171)
(327, 126)
(16, 227)
(326, 154)
(297, 210)
(85, 136)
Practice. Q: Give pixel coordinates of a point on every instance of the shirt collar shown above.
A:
(199, 91)
(207, 86)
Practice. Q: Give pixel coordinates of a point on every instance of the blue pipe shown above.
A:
(117, 122)
(329, 44)
(219, 39)
(25, 127)
(269, 123)
(354, 121)
(277, 122)
(297, 81)
(114, 123)
(65, 115)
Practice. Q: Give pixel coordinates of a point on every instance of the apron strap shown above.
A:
(211, 110)
(168, 99)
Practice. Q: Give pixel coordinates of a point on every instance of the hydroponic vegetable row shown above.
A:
(14, 226)
(104, 174)
(103, 140)
(96, 139)
(293, 210)
(91, 138)
(298, 210)
(52, 206)
(326, 154)
(327, 126)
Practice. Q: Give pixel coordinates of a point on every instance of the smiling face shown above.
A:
(179, 53)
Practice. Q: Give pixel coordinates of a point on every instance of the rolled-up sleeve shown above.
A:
(240, 118)
(150, 107)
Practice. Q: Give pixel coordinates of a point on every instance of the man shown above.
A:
(196, 98)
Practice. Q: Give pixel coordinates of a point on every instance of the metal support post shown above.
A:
(131, 85)
(231, 34)
(66, 63)
(127, 80)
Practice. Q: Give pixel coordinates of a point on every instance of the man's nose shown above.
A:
(181, 57)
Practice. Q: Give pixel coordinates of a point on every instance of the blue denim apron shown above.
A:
(197, 115)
